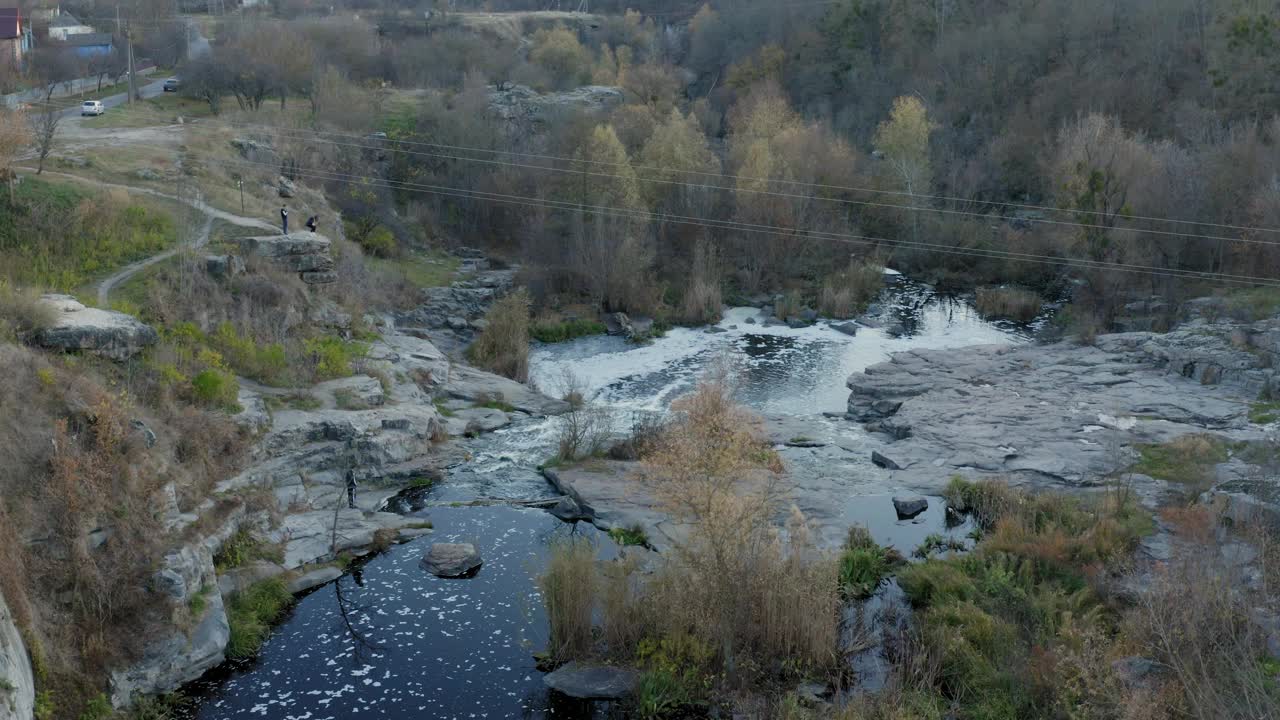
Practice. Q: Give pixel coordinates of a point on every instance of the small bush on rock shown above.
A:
(503, 346)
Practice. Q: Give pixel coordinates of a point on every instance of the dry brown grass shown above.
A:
(21, 313)
(1197, 621)
(569, 587)
(703, 299)
(1008, 303)
(847, 293)
(503, 346)
(760, 599)
(78, 472)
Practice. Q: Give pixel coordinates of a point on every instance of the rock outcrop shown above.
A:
(305, 253)
(17, 683)
(454, 314)
(77, 328)
(452, 560)
(526, 111)
(183, 654)
(593, 682)
(1062, 413)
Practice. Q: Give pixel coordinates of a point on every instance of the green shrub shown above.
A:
(243, 548)
(937, 542)
(1188, 460)
(554, 332)
(864, 564)
(45, 706)
(216, 388)
(332, 357)
(936, 582)
(99, 708)
(265, 363)
(633, 535)
(659, 695)
(251, 613)
(1264, 413)
(677, 674)
(380, 243)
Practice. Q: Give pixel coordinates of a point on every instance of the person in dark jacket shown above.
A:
(351, 489)
(284, 219)
(311, 223)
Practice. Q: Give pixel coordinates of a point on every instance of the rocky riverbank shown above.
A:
(1066, 414)
(391, 426)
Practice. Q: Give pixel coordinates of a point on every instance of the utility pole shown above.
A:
(133, 80)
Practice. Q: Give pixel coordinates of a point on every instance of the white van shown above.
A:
(92, 107)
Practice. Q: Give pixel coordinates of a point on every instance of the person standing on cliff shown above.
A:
(351, 489)
(284, 219)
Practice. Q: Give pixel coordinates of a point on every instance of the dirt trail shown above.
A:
(202, 237)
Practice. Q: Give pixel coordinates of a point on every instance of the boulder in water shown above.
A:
(909, 506)
(847, 328)
(452, 560)
(593, 682)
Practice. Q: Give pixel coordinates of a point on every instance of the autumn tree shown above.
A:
(903, 139)
(558, 51)
(15, 134)
(680, 169)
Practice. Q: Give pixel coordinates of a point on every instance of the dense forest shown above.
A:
(1124, 145)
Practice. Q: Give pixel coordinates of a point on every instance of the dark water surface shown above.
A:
(394, 641)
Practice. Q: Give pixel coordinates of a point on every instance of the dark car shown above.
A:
(171, 85)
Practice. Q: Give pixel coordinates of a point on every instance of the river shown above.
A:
(392, 641)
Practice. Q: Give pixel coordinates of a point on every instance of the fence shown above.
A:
(66, 89)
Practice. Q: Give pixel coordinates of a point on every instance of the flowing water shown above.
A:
(393, 641)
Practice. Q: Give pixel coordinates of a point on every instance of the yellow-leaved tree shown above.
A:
(678, 158)
(903, 138)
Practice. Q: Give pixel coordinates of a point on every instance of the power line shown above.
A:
(316, 134)
(823, 186)
(753, 227)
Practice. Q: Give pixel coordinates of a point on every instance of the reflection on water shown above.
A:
(394, 641)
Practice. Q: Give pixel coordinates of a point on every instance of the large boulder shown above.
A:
(18, 691)
(77, 328)
(593, 682)
(452, 560)
(306, 253)
(909, 506)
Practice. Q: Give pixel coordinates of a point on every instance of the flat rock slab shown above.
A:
(452, 560)
(473, 421)
(107, 333)
(593, 682)
(314, 579)
(1062, 414)
(468, 383)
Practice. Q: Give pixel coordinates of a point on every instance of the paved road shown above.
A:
(150, 90)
